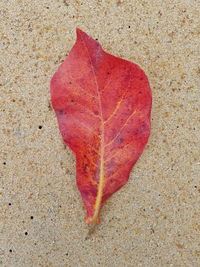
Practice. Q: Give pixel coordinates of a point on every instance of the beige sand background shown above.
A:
(155, 219)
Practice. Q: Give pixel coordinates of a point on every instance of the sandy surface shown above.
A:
(155, 219)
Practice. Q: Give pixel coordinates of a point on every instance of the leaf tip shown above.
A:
(79, 33)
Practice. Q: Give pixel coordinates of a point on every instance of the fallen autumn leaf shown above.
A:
(103, 106)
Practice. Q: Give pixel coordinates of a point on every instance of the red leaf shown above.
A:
(103, 106)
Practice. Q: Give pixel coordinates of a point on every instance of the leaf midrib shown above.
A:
(97, 206)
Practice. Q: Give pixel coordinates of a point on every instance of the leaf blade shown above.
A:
(108, 127)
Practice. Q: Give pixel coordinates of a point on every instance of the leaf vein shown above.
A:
(120, 130)
(88, 110)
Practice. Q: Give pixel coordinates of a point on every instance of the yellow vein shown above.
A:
(117, 152)
(86, 92)
(118, 133)
(93, 149)
(114, 112)
(118, 103)
(101, 174)
(87, 109)
(83, 125)
(116, 108)
(82, 88)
